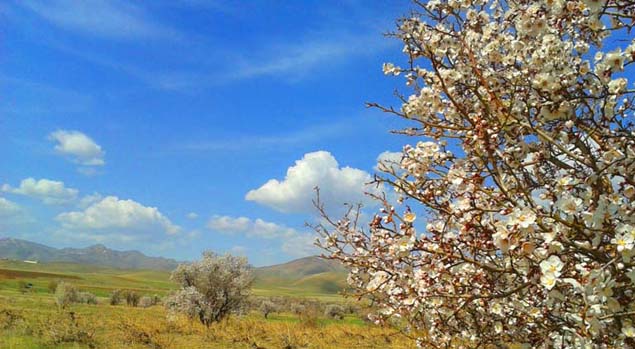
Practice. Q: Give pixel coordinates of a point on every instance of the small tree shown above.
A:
(298, 308)
(131, 297)
(66, 294)
(267, 307)
(334, 311)
(52, 286)
(211, 288)
(148, 301)
(86, 298)
(115, 297)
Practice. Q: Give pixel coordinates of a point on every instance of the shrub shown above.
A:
(66, 328)
(86, 298)
(334, 311)
(9, 319)
(132, 298)
(146, 335)
(66, 294)
(148, 301)
(298, 308)
(52, 286)
(267, 307)
(211, 288)
(309, 316)
(115, 297)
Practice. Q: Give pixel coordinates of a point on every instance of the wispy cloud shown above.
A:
(110, 19)
(294, 61)
(251, 228)
(205, 67)
(291, 241)
(266, 142)
(52, 99)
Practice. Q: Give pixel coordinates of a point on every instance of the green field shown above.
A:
(98, 280)
(32, 319)
(102, 281)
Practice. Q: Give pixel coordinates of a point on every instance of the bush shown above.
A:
(309, 317)
(115, 297)
(267, 307)
(9, 319)
(66, 294)
(298, 308)
(211, 288)
(52, 286)
(148, 301)
(132, 298)
(67, 329)
(86, 298)
(334, 311)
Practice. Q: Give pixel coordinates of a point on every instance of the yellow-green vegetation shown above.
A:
(32, 319)
(102, 280)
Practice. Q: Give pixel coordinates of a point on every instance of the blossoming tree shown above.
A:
(211, 288)
(513, 219)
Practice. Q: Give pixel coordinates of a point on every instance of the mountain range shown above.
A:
(17, 249)
(305, 276)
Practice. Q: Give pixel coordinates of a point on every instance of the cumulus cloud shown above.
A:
(300, 245)
(251, 228)
(78, 147)
(14, 219)
(48, 191)
(388, 160)
(8, 208)
(292, 242)
(88, 200)
(192, 215)
(338, 185)
(116, 218)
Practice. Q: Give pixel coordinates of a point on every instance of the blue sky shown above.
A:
(178, 126)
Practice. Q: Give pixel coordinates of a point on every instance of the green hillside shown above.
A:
(306, 277)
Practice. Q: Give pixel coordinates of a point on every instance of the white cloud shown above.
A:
(121, 219)
(192, 215)
(388, 160)
(14, 219)
(338, 185)
(292, 242)
(79, 147)
(300, 245)
(50, 192)
(238, 250)
(111, 19)
(297, 60)
(251, 228)
(252, 142)
(88, 171)
(8, 208)
(89, 200)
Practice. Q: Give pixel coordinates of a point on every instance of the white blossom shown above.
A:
(522, 158)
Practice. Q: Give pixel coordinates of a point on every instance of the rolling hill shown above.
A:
(309, 276)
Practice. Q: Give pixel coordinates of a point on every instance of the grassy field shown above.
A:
(32, 319)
